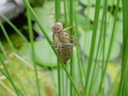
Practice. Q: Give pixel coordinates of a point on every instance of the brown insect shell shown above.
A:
(65, 52)
(57, 27)
(63, 36)
(68, 45)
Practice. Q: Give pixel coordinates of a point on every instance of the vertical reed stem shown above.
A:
(71, 33)
(57, 17)
(92, 43)
(32, 46)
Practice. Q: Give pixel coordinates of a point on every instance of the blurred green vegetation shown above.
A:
(45, 57)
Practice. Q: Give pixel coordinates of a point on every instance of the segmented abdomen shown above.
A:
(65, 52)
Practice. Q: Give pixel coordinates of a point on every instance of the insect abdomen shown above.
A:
(65, 52)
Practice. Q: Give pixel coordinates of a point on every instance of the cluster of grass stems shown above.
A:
(71, 15)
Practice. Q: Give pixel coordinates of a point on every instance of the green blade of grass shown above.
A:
(123, 75)
(10, 43)
(2, 49)
(71, 3)
(50, 43)
(92, 43)
(101, 31)
(122, 89)
(57, 17)
(114, 82)
(59, 83)
(63, 83)
(32, 46)
(10, 78)
(78, 47)
(57, 10)
(104, 39)
(11, 67)
(14, 27)
(5, 86)
(110, 46)
(65, 10)
(125, 36)
(65, 18)
(6, 36)
(88, 6)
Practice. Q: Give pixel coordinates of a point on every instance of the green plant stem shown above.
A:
(125, 36)
(10, 65)
(57, 11)
(8, 39)
(101, 31)
(65, 10)
(3, 51)
(114, 82)
(71, 3)
(50, 43)
(65, 18)
(125, 61)
(71, 73)
(78, 47)
(57, 17)
(103, 62)
(8, 75)
(14, 27)
(63, 83)
(124, 88)
(88, 6)
(59, 8)
(123, 81)
(67, 83)
(10, 80)
(68, 9)
(6, 36)
(92, 43)
(59, 83)
(79, 66)
(110, 46)
(32, 46)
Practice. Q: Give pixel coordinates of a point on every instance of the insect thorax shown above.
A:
(63, 37)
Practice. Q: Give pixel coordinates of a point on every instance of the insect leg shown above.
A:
(76, 42)
(69, 27)
(73, 38)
